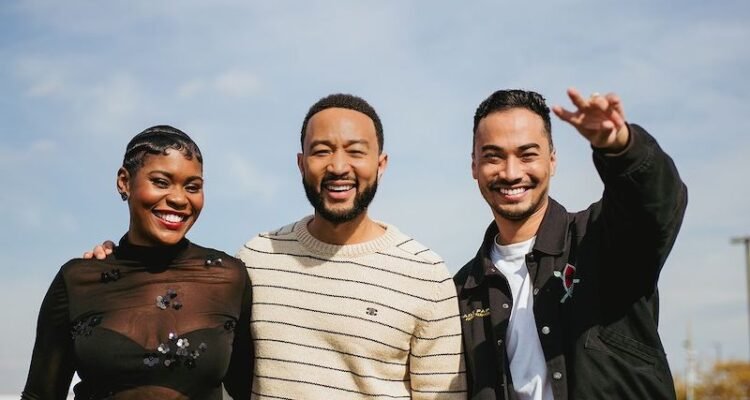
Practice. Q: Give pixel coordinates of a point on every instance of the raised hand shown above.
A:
(600, 119)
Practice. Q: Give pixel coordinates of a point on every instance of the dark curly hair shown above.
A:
(503, 100)
(350, 102)
(157, 140)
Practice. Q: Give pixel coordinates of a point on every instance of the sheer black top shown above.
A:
(145, 323)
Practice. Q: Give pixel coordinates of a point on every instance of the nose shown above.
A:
(339, 164)
(177, 199)
(511, 170)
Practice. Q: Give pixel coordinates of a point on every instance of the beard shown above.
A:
(513, 212)
(361, 201)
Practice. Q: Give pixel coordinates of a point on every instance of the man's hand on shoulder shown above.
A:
(101, 251)
(600, 119)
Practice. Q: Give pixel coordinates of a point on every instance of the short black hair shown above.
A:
(350, 102)
(157, 140)
(508, 99)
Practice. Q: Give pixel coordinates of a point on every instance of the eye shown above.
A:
(530, 156)
(321, 152)
(160, 183)
(491, 157)
(193, 188)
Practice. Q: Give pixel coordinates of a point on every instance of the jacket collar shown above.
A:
(550, 240)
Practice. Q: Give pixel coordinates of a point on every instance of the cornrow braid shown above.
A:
(157, 140)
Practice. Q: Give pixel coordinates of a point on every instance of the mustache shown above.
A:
(344, 177)
(502, 184)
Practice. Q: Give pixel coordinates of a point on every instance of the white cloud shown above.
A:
(243, 179)
(233, 83)
(191, 88)
(237, 84)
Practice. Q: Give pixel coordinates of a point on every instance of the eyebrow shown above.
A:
(171, 176)
(347, 144)
(492, 147)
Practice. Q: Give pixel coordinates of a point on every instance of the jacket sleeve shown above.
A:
(643, 204)
(436, 364)
(239, 378)
(52, 362)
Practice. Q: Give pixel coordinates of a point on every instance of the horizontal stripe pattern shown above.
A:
(350, 322)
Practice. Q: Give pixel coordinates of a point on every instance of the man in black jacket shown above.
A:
(565, 305)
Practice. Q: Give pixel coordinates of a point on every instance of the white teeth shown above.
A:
(339, 188)
(170, 217)
(512, 192)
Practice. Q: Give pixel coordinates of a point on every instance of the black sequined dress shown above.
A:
(145, 323)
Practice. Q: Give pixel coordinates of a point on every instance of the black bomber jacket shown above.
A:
(595, 276)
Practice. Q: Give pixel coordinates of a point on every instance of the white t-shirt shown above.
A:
(528, 368)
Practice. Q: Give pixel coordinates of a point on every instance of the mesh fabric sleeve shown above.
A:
(238, 380)
(53, 361)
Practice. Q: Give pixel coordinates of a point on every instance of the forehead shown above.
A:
(511, 128)
(340, 124)
(174, 162)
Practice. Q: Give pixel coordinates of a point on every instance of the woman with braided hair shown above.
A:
(160, 317)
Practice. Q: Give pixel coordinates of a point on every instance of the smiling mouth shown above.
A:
(338, 188)
(171, 218)
(512, 191)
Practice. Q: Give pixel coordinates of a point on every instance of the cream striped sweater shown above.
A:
(372, 320)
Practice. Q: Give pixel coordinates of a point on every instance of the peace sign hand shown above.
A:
(600, 119)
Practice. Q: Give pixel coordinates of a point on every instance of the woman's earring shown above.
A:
(124, 196)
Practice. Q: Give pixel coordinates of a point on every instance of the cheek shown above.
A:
(485, 173)
(365, 170)
(197, 201)
(313, 170)
(144, 196)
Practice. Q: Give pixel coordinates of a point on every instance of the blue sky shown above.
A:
(79, 78)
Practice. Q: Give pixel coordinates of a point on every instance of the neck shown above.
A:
(516, 231)
(359, 230)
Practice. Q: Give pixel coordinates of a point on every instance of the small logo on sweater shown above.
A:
(478, 313)
(567, 276)
(372, 311)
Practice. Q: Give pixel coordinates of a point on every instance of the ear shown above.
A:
(300, 163)
(382, 164)
(553, 163)
(123, 182)
(474, 171)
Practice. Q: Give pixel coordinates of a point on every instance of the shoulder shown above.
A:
(264, 239)
(282, 240)
(82, 266)
(214, 257)
(410, 251)
(463, 274)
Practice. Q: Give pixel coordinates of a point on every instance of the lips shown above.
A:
(338, 190)
(171, 220)
(511, 193)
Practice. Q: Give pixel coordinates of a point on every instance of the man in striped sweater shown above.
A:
(345, 307)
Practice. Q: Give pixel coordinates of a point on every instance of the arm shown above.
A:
(644, 199)
(53, 361)
(644, 202)
(436, 364)
(239, 378)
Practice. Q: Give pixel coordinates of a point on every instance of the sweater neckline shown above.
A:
(324, 249)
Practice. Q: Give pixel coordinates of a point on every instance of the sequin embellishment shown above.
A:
(213, 260)
(84, 326)
(169, 298)
(181, 355)
(110, 276)
(230, 324)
